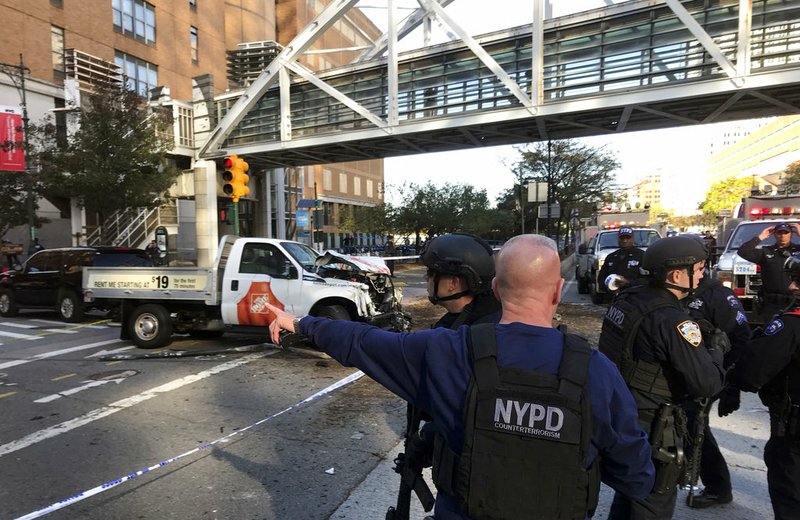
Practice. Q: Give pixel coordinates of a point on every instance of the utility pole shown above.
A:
(549, 189)
(17, 73)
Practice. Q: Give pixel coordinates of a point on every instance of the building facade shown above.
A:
(170, 52)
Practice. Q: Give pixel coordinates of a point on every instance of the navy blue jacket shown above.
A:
(431, 370)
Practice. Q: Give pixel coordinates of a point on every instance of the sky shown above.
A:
(679, 154)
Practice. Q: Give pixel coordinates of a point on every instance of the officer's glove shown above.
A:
(714, 338)
(729, 400)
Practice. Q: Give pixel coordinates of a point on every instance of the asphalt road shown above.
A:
(226, 435)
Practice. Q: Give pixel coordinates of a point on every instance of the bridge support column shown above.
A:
(280, 203)
(205, 193)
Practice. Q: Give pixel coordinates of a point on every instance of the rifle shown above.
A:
(700, 423)
(410, 471)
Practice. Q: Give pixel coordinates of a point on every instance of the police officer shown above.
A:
(459, 278)
(624, 262)
(718, 312)
(660, 352)
(771, 366)
(774, 294)
(510, 450)
(460, 268)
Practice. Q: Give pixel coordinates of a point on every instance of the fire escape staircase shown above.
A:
(134, 227)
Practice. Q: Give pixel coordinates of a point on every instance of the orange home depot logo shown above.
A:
(252, 308)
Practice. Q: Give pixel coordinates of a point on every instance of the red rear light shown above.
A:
(787, 211)
(738, 291)
(758, 268)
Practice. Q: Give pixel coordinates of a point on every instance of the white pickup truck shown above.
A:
(156, 302)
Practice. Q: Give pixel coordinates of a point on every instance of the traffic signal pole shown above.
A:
(235, 218)
(236, 179)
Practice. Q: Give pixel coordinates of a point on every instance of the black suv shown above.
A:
(52, 278)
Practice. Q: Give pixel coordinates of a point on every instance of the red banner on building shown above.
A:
(12, 153)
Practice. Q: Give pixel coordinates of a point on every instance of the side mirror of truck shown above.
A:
(582, 249)
(292, 272)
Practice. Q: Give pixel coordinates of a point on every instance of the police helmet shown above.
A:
(671, 253)
(461, 254)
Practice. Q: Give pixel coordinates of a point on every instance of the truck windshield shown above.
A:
(304, 255)
(745, 232)
(641, 238)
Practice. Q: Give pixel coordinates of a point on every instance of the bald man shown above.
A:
(507, 404)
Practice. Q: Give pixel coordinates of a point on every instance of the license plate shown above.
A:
(747, 268)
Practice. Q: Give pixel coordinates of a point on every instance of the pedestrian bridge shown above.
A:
(637, 65)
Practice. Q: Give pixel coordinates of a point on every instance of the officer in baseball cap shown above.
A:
(624, 262)
(774, 295)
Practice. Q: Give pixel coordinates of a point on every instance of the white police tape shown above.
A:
(108, 485)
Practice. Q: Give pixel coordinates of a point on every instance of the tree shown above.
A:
(792, 173)
(579, 176)
(114, 159)
(724, 195)
(433, 210)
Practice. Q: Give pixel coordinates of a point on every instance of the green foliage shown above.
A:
(724, 195)
(433, 210)
(580, 176)
(370, 220)
(792, 173)
(115, 159)
(13, 209)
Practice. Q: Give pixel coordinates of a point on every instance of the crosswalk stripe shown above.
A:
(18, 336)
(17, 325)
(48, 321)
(62, 331)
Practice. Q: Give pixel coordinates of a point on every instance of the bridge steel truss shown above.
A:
(637, 65)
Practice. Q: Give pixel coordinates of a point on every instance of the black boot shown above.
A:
(705, 499)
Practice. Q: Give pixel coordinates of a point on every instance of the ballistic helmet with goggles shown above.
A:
(461, 254)
(672, 253)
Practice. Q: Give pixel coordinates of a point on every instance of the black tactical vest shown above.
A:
(620, 328)
(525, 441)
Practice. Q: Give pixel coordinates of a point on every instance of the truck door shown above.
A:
(263, 274)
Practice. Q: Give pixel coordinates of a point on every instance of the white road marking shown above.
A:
(107, 352)
(18, 336)
(54, 353)
(128, 402)
(62, 331)
(17, 325)
(48, 321)
(71, 391)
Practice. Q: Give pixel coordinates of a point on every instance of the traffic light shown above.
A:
(235, 177)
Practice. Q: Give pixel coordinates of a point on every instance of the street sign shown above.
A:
(555, 211)
(537, 192)
(301, 216)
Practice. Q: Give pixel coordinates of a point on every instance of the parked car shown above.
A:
(51, 279)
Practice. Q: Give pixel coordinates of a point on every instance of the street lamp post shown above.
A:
(17, 73)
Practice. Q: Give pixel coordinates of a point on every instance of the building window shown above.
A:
(370, 188)
(193, 43)
(185, 127)
(343, 182)
(357, 186)
(57, 46)
(140, 75)
(327, 182)
(135, 18)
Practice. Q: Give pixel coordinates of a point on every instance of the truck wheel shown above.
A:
(150, 326)
(69, 306)
(583, 285)
(334, 312)
(8, 307)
